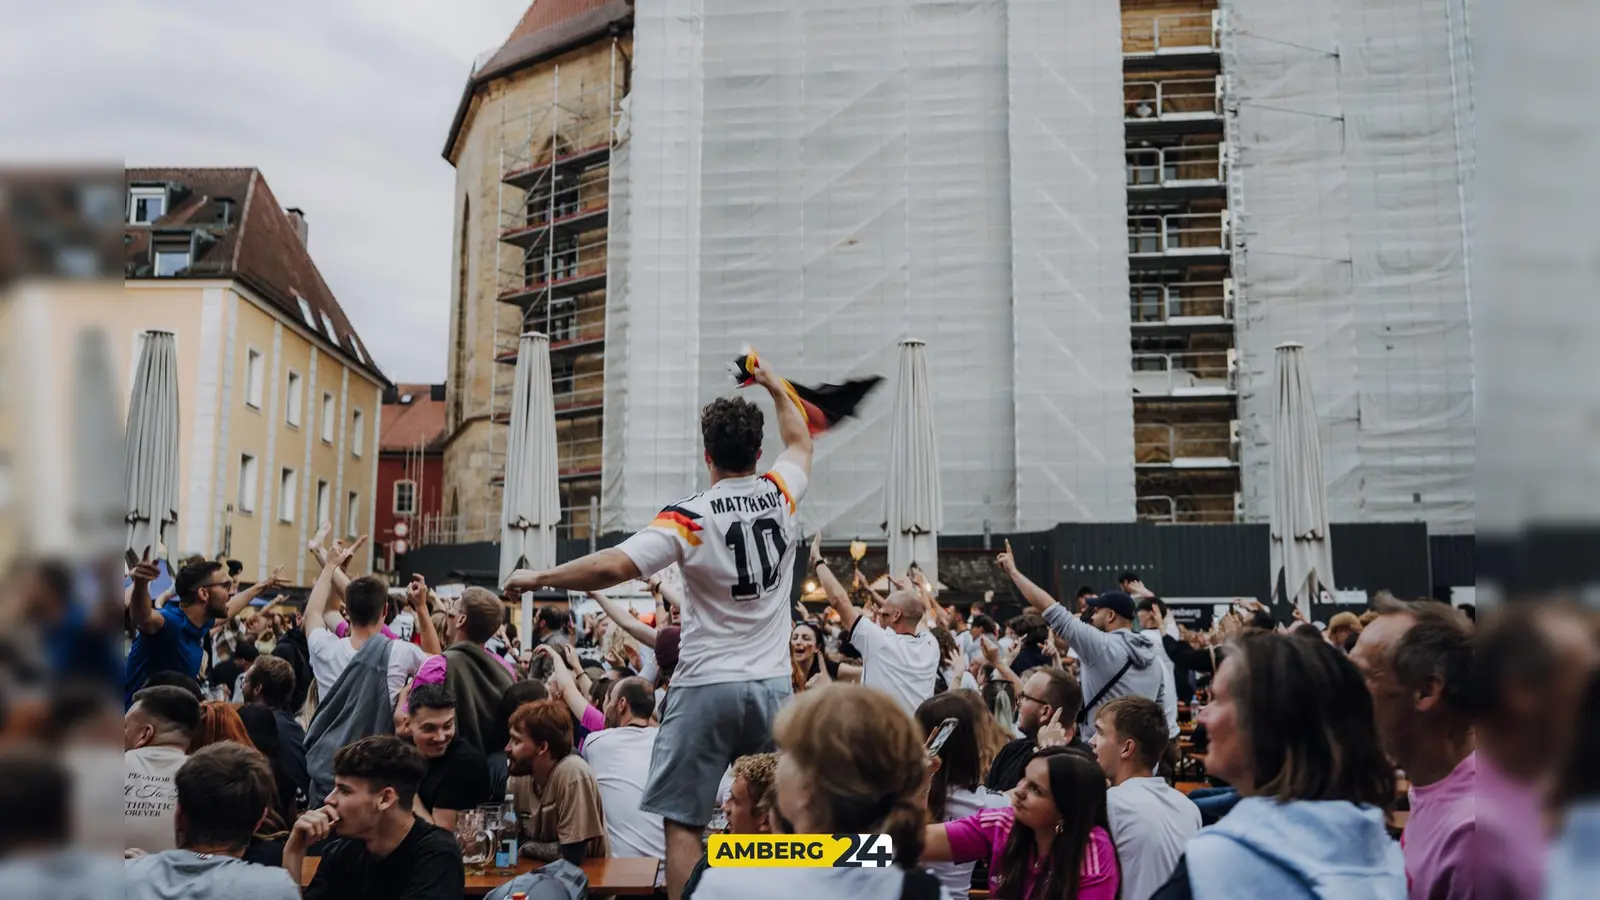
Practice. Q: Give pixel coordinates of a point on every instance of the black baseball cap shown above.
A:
(1116, 601)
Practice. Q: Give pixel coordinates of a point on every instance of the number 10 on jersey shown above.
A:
(764, 538)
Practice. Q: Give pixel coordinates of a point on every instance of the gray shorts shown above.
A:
(703, 730)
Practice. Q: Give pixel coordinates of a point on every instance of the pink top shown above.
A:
(433, 671)
(1509, 838)
(343, 630)
(1438, 836)
(983, 836)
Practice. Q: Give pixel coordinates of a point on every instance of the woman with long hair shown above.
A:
(851, 762)
(1052, 843)
(956, 789)
(219, 721)
(808, 657)
(1292, 728)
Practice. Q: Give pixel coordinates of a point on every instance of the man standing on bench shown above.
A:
(735, 543)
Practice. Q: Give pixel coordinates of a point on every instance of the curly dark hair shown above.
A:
(731, 428)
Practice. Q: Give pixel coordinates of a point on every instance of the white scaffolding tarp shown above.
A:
(1069, 220)
(1349, 178)
(822, 180)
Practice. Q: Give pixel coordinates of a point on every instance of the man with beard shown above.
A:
(173, 637)
(379, 848)
(1049, 695)
(557, 797)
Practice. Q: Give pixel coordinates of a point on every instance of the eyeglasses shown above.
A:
(1026, 696)
(218, 584)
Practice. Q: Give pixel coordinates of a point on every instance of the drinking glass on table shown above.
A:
(477, 844)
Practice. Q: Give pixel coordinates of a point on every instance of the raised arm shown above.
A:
(427, 635)
(791, 419)
(561, 678)
(1037, 597)
(838, 597)
(317, 603)
(319, 551)
(991, 655)
(595, 572)
(140, 610)
(242, 599)
(636, 629)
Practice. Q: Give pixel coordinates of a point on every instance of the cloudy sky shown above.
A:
(343, 105)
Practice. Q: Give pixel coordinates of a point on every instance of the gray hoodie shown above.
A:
(1102, 654)
(186, 875)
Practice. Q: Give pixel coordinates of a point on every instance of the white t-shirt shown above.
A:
(735, 544)
(620, 760)
(150, 799)
(960, 803)
(1150, 823)
(330, 655)
(904, 665)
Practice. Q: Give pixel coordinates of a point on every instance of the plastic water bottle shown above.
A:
(505, 857)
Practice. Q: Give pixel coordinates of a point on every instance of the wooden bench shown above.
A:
(621, 876)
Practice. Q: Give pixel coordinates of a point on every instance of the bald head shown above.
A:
(910, 608)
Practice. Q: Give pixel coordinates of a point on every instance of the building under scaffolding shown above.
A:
(1102, 224)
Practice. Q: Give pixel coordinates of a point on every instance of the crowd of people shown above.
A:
(1089, 749)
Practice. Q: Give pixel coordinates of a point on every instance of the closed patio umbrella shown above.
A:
(151, 463)
(913, 503)
(531, 505)
(1302, 556)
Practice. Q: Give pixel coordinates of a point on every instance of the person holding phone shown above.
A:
(956, 789)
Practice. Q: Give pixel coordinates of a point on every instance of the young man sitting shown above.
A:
(223, 791)
(457, 776)
(380, 849)
(557, 797)
(1150, 821)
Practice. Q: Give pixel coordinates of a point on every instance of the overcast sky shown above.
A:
(342, 104)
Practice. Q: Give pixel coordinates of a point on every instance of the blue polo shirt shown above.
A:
(178, 646)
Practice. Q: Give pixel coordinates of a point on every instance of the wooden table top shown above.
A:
(624, 876)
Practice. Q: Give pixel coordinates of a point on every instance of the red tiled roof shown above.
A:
(547, 29)
(257, 245)
(406, 426)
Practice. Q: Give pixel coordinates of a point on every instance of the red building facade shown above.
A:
(410, 469)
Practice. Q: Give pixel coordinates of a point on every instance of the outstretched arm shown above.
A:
(1037, 597)
(791, 419)
(636, 629)
(317, 603)
(838, 597)
(242, 599)
(595, 572)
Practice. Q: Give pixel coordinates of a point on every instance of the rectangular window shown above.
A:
(254, 367)
(287, 490)
(146, 204)
(327, 325)
(170, 262)
(327, 417)
(324, 503)
(247, 483)
(356, 430)
(405, 498)
(352, 506)
(291, 406)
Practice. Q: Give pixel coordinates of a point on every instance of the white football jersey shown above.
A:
(735, 545)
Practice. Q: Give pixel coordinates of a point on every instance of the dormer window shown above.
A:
(305, 313)
(146, 204)
(171, 256)
(327, 325)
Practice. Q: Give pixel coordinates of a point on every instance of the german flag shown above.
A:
(683, 522)
(825, 405)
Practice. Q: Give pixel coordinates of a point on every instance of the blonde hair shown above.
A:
(862, 759)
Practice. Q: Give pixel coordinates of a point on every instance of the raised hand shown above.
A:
(991, 651)
(1006, 560)
(1053, 734)
(341, 557)
(417, 594)
(146, 570)
(275, 580)
(816, 549)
